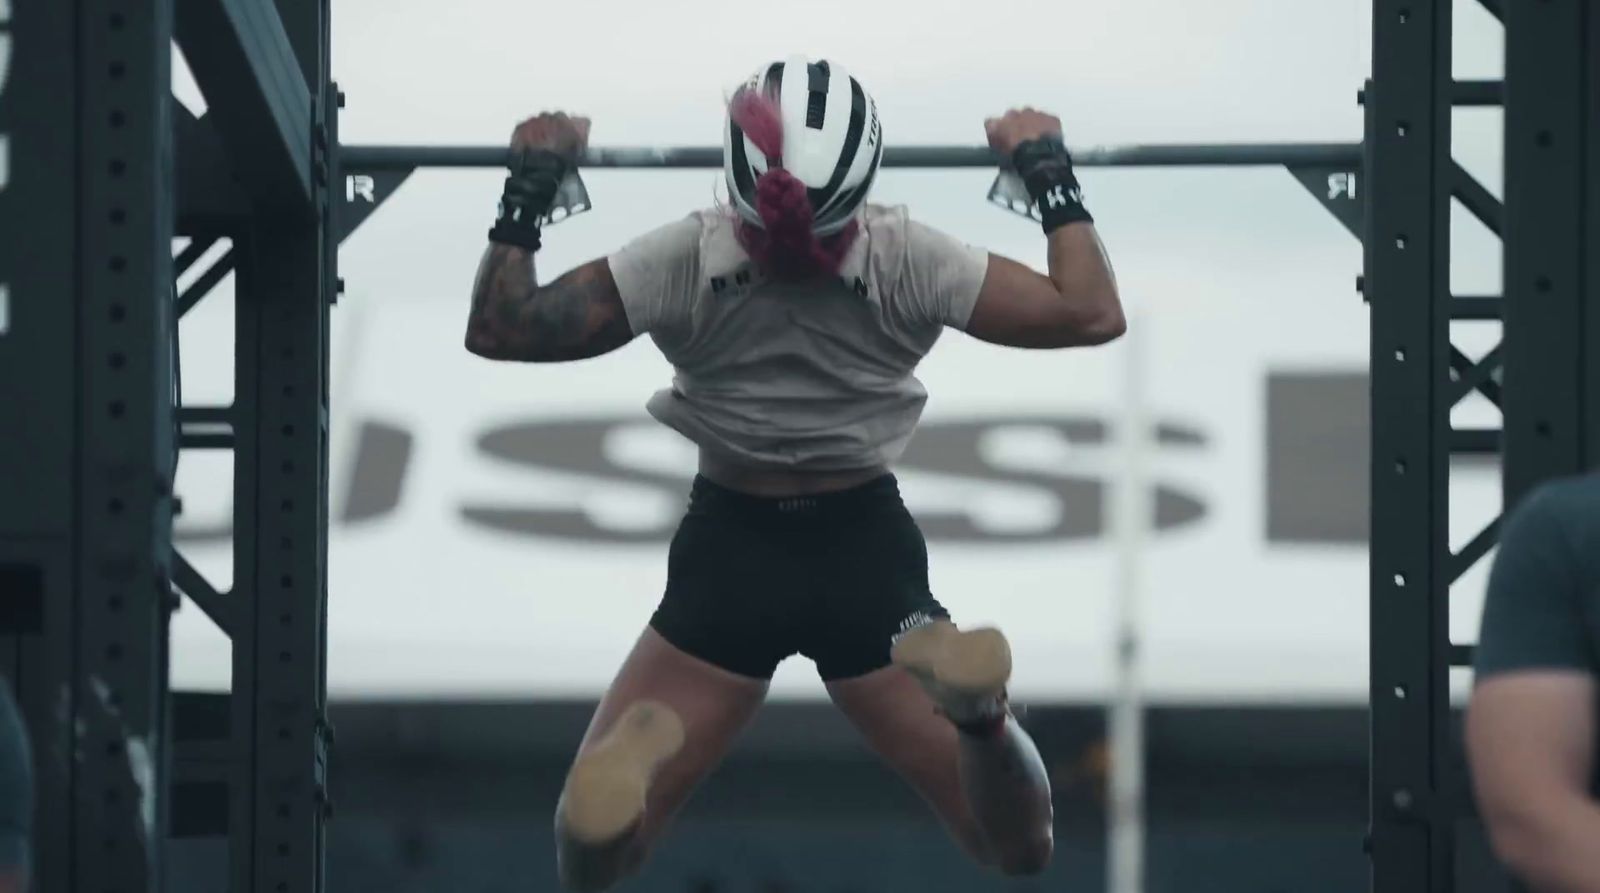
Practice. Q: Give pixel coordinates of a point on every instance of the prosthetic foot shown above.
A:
(964, 671)
(606, 791)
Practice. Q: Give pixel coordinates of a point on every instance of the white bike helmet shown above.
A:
(832, 141)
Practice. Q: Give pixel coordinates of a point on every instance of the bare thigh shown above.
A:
(897, 719)
(713, 703)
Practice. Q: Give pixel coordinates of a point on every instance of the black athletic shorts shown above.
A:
(752, 580)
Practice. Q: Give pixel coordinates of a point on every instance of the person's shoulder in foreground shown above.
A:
(1531, 736)
(1544, 590)
(1573, 501)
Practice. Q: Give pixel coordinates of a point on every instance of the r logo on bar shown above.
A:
(357, 185)
(1342, 185)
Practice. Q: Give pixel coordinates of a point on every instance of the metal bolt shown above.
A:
(1403, 800)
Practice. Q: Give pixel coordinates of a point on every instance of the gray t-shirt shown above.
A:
(814, 377)
(1543, 605)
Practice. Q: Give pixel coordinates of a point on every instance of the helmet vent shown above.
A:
(818, 75)
(817, 111)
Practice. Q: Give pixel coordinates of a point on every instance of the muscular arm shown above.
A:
(1531, 724)
(578, 316)
(1077, 305)
(1531, 738)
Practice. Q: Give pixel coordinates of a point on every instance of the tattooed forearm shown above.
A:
(577, 316)
(505, 276)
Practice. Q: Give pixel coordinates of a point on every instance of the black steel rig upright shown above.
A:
(1552, 261)
(257, 171)
(1418, 377)
(87, 444)
(99, 169)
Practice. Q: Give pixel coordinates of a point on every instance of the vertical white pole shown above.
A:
(1134, 514)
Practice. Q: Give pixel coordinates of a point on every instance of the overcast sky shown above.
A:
(1116, 70)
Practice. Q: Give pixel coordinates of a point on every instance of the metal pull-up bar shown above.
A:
(1328, 171)
(1347, 155)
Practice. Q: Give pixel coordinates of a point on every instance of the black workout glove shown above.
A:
(1045, 166)
(530, 193)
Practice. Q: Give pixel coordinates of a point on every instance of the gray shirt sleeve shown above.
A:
(16, 786)
(1535, 616)
(942, 276)
(658, 275)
